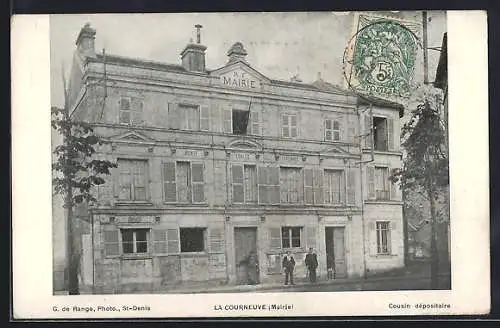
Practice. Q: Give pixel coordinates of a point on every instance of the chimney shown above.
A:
(85, 40)
(193, 55)
(237, 52)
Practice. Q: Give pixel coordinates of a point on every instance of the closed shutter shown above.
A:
(237, 178)
(394, 187)
(255, 123)
(227, 119)
(216, 117)
(216, 240)
(198, 182)
(351, 129)
(111, 241)
(285, 130)
(351, 186)
(204, 118)
(174, 116)
(263, 185)
(328, 130)
(311, 237)
(391, 238)
(136, 111)
(309, 186)
(275, 238)
(160, 241)
(318, 186)
(293, 126)
(368, 132)
(169, 184)
(370, 177)
(372, 238)
(274, 181)
(172, 241)
(390, 133)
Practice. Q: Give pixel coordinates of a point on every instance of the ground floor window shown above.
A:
(193, 239)
(383, 238)
(290, 237)
(135, 240)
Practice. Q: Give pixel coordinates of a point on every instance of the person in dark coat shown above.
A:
(253, 268)
(311, 264)
(289, 265)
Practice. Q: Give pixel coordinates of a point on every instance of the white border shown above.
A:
(32, 244)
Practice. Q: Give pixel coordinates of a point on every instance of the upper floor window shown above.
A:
(132, 179)
(240, 120)
(332, 130)
(382, 191)
(245, 185)
(291, 185)
(334, 183)
(130, 111)
(189, 117)
(289, 125)
(184, 182)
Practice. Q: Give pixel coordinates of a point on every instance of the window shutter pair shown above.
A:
(197, 182)
(289, 125)
(166, 241)
(111, 241)
(333, 130)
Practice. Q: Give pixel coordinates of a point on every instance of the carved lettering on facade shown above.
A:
(239, 79)
(193, 153)
(290, 158)
(243, 156)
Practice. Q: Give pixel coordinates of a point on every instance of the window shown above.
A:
(291, 185)
(130, 111)
(334, 186)
(132, 179)
(183, 182)
(135, 240)
(289, 125)
(290, 237)
(269, 185)
(383, 238)
(380, 137)
(240, 121)
(332, 130)
(382, 191)
(190, 117)
(244, 183)
(193, 239)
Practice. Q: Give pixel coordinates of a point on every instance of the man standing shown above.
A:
(312, 264)
(288, 265)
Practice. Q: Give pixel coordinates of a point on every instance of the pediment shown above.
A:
(240, 75)
(335, 150)
(132, 136)
(244, 144)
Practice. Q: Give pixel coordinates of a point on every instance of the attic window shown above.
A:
(240, 121)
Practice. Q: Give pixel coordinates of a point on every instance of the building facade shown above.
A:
(215, 164)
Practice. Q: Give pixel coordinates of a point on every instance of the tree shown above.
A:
(425, 166)
(76, 172)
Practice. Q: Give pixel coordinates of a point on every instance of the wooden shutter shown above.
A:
(328, 130)
(394, 188)
(172, 241)
(285, 129)
(204, 118)
(351, 186)
(136, 112)
(160, 241)
(227, 119)
(169, 182)
(390, 133)
(318, 186)
(125, 180)
(198, 182)
(293, 126)
(237, 179)
(216, 240)
(174, 116)
(368, 132)
(311, 237)
(274, 181)
(351, 129)
(111, 241)
(255, 123)
(309, 186)
(275, 238)
(263, 185)
(372, 238)
(370, 177)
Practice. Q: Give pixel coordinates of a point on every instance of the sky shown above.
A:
(279, 45)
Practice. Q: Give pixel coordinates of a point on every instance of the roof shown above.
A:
(441, 79)
(367, 100)
(138, 62)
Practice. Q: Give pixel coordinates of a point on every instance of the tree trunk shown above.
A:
(434, 254)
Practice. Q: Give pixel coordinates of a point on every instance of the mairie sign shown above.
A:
(238, 78)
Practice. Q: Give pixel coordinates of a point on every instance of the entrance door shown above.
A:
(335, 250)
(245, 241)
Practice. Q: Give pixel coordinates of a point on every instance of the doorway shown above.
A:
(245, 241)
(335, 251)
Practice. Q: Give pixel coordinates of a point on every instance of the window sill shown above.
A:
(138, 256)
(388, 202)
(384, 256)
(192, 254)
(383, 152)
(133, 202)
(186, 204)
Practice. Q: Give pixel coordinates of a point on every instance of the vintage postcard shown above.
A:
(250, 164)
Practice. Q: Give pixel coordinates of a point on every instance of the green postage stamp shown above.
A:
(381, 58)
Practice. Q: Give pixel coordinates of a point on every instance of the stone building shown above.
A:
(216, 163)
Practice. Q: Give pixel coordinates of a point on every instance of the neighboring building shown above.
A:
(213, 164)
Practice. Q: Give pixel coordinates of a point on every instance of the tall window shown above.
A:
(380, 133)
(332, 130)
(291, 185)
(130, 112)
(290, 237)
(245, 185)
(132, 180)
(334, 186)
(193, 239)
(191, 117)
(183, 182)
(382, 183)
(383, 238)
(135, 240)
(289, 125)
